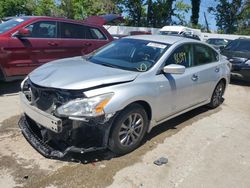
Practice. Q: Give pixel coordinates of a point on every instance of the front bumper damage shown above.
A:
(55, 138)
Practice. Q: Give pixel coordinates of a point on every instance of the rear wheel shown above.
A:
(217, 97)
(128, 130)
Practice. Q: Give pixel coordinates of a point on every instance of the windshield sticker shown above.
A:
(19, 20)
(180, 57)
(143, 67)
(156, 45)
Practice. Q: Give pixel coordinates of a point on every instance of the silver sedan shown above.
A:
(112, 97)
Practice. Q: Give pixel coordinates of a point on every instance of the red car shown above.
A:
(28, 42)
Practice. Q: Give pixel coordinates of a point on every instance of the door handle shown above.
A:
(217, 69)
(195, 77)
(52, 44)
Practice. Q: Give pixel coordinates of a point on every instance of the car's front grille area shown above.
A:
(48, 99)
(44, 100)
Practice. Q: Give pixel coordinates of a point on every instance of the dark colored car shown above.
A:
(238, 53)
(28, 42)
(218, 43)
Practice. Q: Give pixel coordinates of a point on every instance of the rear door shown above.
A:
(206, 63)
(78, 39)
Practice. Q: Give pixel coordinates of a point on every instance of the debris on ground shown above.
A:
(161, 161)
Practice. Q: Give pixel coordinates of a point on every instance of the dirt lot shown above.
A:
(205, 148)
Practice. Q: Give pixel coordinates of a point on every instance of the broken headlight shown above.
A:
(86, 107)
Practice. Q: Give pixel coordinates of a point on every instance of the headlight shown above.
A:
(93, 106)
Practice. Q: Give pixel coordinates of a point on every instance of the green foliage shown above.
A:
(180, 10)
(244, 19)
(227, 15)
(14, 8)
(45, 8)
(232, 16)
(135, 10)
(85, 8)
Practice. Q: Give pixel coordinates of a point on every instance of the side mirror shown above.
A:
(24, 32)
(174, 69)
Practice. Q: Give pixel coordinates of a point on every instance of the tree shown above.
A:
(244, 20)
(227, 15)
(14, 8)
(135, 10)
(180, 10)
(85, 8)
(46, 8)
(67, 7)
(195, 11)
(149, 13)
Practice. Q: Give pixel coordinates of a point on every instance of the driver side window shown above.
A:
(42, 29)
(181, 56)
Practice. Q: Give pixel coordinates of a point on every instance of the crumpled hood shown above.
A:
(77, 73)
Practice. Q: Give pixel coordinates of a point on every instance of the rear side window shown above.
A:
(181, 56)
(72, 31)
(94, 33)
(43, 29)
(242, 45)
(204, 54)
(77, 31)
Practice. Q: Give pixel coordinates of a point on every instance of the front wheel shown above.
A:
(217, 97)
(129, 128)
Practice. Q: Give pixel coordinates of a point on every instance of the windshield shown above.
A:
(130, 54)
(239, 45)
(11, 24)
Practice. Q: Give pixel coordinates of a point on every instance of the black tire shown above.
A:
(128, 130)
(217, 97)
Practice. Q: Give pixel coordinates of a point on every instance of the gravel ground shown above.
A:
(205, 148)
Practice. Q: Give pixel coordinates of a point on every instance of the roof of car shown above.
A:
(161, 38)
(56, 19)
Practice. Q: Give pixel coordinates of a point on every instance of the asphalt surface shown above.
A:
(204, 148)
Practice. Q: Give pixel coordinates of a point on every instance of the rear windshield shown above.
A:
(239, 45)
(6, 26)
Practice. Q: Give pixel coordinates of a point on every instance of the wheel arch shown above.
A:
(146, 107)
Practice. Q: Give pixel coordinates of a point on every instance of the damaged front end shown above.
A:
(54, 135)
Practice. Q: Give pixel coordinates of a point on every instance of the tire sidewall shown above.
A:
(212, 105)
(114, 142)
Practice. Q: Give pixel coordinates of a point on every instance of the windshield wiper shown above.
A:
(109, 65)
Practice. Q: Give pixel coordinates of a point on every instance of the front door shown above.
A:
(40, 47)
(177, 90)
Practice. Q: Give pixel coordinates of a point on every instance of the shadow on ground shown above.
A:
(172, 126)
(8, 88)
